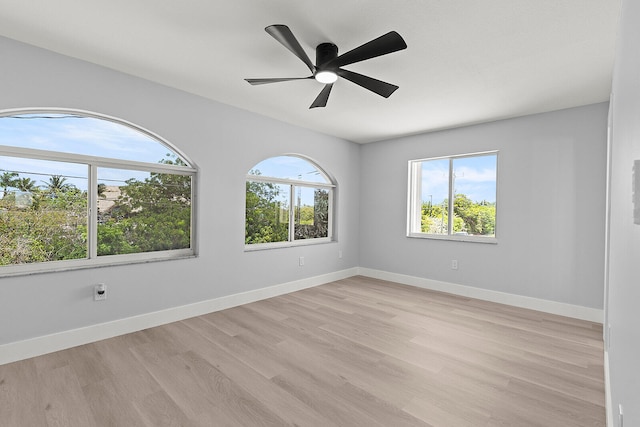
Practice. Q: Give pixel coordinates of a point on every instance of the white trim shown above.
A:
(457, 156)
(288, 181)
(101, 261)
(288, 244)
(59, 341)
(455, 237)
(607, 223)
(553, 307)
(103, 162)
(607, 391)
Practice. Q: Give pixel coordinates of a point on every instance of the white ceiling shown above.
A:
(467, 61)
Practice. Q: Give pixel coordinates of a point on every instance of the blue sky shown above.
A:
(289, 167)
(80, 135)
(474, 176)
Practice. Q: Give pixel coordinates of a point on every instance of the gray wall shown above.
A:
(550, 229)
(624, 260)
(224, 142)
(551, 210)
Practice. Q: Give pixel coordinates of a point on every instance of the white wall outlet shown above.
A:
(301, 261)
(340, 253)
(454, 264)
(100, 292)
(620, 416)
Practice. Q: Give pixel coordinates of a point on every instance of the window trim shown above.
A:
(93, 163)
(292, 183)
(414, 201)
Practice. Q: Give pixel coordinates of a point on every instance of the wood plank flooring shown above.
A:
(356, 352)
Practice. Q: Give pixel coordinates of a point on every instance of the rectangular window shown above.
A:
(43, 211)
(271, 209)
(311, 213)
(454, 197)
(267, 212)
(142, 211)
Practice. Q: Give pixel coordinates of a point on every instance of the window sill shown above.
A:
(278, 245)
(455, 238)
(103, 261)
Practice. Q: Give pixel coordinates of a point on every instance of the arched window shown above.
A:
(78, 189)
(289, 200)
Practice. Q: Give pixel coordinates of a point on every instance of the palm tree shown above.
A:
(25, 184)
(57, 183)
(7, 179)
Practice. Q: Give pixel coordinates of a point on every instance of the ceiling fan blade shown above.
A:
(387, 43)
(374, 85)
(283, 34)
(275, 80)
(321, 100)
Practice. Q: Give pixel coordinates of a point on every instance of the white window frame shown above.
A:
(414, 201)
(292, 183)
(93, 163)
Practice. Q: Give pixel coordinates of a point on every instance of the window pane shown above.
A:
(142, 211)
(474, 203)
(311, 213)
(71, 133)
(289, 167)
(267, 212)
(43, 211)
(472, 183)
(435, 196)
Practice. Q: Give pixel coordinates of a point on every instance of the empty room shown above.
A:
(331, 214)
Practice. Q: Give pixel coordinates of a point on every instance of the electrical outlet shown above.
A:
(100, 292)
(340, 253)
(301, 261)
(454, 264)
(620, 416)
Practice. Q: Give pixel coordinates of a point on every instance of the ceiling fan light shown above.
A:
(326, 77)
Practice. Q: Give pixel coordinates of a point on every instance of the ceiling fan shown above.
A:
(327, 68)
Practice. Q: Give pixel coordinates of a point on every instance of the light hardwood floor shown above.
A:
(356, 352)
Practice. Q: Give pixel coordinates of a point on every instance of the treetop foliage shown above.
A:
(474, 218)
(49, 222)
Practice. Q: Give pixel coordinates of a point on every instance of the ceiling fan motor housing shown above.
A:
(325, 53)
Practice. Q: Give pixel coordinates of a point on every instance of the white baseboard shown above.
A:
(553, 307)
(59, 341)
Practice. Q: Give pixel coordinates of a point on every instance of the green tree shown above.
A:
(102, 188)
(25, 184)
(476, 218)
(435, 218)
(56, 184)
(43, 228)
(8, 180)
(149, 215)
(313, 220)
(266, 219)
